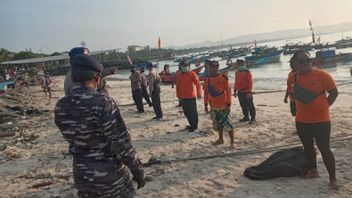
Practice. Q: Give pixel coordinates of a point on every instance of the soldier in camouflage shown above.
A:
(98, 139)
(68, 83)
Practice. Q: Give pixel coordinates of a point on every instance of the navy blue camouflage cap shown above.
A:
(85, 67)
(78, 50)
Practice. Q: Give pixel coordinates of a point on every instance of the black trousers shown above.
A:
(156, 103)
(137, 98)
(189, 106)
(146, 95)
(320, 132)
(247, 106)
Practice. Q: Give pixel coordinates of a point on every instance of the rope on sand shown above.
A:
(238, 153)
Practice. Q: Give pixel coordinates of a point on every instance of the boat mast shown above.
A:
(311, 29)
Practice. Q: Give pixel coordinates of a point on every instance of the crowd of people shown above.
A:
(101, 146)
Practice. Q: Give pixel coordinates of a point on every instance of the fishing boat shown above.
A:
(234, 53)
(203, 74)
(344, 43)
(292, 48)
(4, 85)
(170, 77)
(167, 78)
(260, 59)
(329, 57)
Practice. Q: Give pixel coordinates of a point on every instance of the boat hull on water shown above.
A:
(321, 61)
(264, 59)
(170, 78)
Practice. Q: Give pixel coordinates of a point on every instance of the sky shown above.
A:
(59, 25)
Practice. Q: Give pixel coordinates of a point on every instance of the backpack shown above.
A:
(285, 163)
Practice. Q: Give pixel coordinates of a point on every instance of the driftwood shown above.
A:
(42, 184)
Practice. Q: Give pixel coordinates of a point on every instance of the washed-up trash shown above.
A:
(2, 147)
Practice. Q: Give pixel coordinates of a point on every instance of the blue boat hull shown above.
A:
(260, 60)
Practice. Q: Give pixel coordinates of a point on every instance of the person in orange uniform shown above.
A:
(186, 81)
(243, 88)
(217, 93)
(314, 91)
(290, 94)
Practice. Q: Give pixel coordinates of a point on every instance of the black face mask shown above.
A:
(133, 70)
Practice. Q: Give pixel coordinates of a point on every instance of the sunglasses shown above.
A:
(304, 61)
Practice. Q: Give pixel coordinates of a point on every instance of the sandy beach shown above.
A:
(35, 161)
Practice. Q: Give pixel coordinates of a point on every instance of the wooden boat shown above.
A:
(329, 57)
(264, 58)
(167, 78)
(170, 78)
(203, 75)
(344, 43)
(4, 85)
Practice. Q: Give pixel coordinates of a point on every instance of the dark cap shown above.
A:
(208, 61)
(149, 65)
(240, 61)
(214, 64)
(78, 50)
(183, 63)
(85, 67)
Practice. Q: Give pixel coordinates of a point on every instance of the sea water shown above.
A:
(273, 76)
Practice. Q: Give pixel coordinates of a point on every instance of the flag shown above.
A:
(129, 59)
(318, 39)
(159, 43)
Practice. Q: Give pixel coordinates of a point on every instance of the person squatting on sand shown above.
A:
(288, 94)
(186, 79)
(154, 90)
(243, 88)
(310, 86)
(136, 87)
(98, 138)
(217, 93)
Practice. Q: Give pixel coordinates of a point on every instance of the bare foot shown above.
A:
(333, 185)
(312, 174)
(218, 142)
(232, 146)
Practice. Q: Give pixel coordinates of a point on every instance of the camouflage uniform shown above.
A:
(99, 143)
